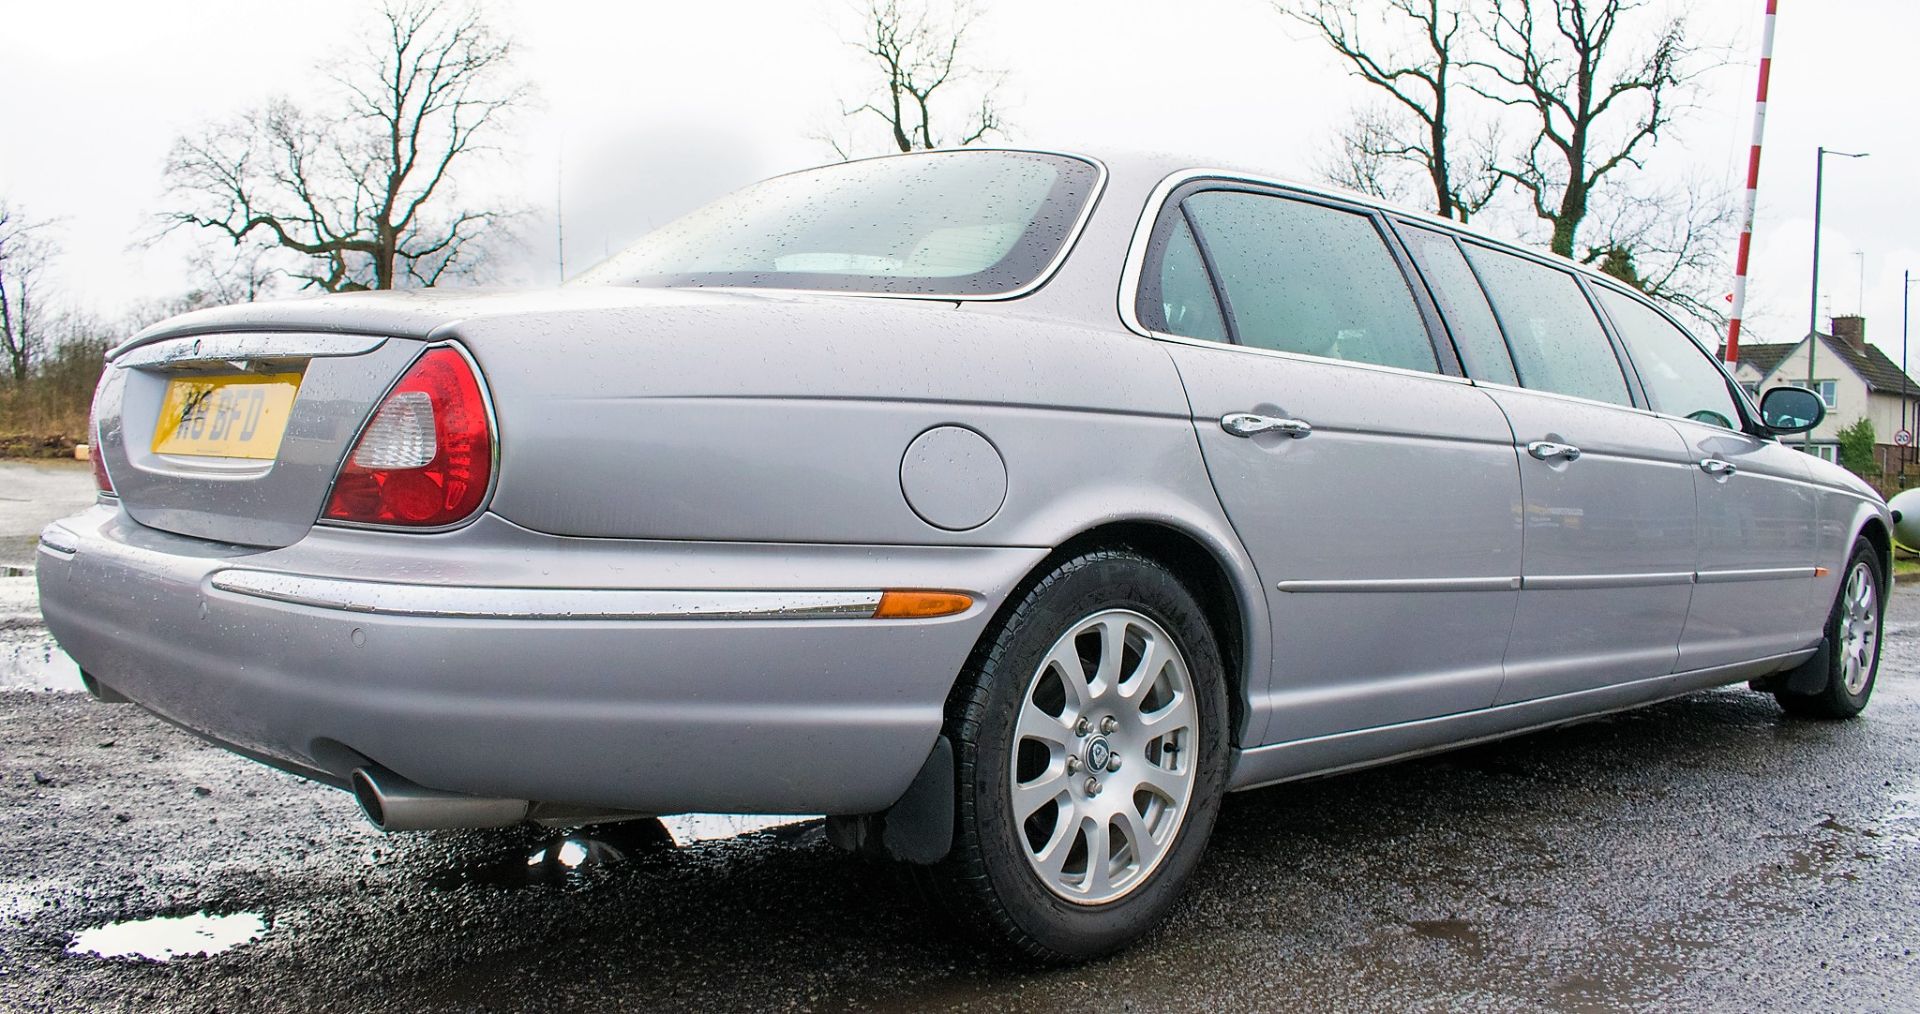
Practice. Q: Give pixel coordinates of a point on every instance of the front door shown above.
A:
(1756, 555)
(1379, 499)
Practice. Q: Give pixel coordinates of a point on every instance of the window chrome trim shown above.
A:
(469, 602)
(1135, 262)
(1046, 274)
(1544, 393)
(1748, 409)
(1397, 371)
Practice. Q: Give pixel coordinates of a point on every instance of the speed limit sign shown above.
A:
(1902, 438)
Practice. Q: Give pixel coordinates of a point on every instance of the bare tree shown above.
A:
(920, 49)
(1416, 130)
(1670, 243)
(1596, 105)
(224, 275)
(360, 193)
(24, 253)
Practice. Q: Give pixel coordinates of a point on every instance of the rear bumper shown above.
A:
(501, 662)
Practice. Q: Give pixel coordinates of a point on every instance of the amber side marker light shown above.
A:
(920, 605)
(1821, 572)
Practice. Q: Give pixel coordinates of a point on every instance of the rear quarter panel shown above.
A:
(786, 421)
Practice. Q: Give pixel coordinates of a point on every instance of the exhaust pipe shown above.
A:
(393, 803)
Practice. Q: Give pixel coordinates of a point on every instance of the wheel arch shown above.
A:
(1218, 574)
(1874, 530)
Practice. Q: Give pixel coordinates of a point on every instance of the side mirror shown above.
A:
(1791, 410)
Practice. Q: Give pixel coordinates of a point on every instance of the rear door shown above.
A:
(1377, 495)
(1756, 506)
(1608, 542)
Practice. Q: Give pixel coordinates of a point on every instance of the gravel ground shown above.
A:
(1701, 854)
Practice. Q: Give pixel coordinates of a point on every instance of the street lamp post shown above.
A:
(1813, 312)
(1906, 453)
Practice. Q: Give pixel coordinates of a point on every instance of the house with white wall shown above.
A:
(1853, 377)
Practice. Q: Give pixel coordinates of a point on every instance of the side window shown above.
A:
(1175, 295)
(1302, 277)
(1557, 342)
(1679, 378)
(1475, 331)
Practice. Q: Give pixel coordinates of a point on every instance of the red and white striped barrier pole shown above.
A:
(1732, 353)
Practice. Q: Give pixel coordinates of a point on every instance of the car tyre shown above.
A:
(1852, 657)
(1152, 713)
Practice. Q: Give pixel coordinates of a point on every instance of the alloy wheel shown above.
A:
(1103, 762)
(1859, 628)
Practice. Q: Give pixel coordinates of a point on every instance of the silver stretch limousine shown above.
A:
(1009, 507)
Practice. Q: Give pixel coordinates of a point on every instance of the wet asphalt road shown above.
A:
(1704, 854)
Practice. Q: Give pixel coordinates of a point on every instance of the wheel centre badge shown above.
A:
(1098, 753)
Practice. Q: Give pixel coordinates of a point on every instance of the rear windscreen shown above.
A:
(964, 223)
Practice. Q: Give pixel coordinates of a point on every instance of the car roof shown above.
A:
(1147, 169)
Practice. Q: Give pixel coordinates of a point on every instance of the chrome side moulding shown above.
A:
(1754, 574)
(1580, 582)
(1545, 582)
(1417, 584)
(392, 599)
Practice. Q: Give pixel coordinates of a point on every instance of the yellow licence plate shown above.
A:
(240, 416)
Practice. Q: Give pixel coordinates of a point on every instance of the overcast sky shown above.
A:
(652, 107)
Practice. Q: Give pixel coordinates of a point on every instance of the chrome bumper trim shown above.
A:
(393, 599)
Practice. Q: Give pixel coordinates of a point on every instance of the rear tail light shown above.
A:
(95, 452)
(426, 457)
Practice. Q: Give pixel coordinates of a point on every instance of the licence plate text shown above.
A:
(241, 416)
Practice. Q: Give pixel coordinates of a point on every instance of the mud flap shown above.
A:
(917, 828)
(1807, 678)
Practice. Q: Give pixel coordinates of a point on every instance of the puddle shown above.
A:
(166, 937)
(30, 660)
(561, 859)
(688, 828)
(571, 857)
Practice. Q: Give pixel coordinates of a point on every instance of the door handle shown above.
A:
(1718, 467)
(1547, 450)
(1247, 424)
